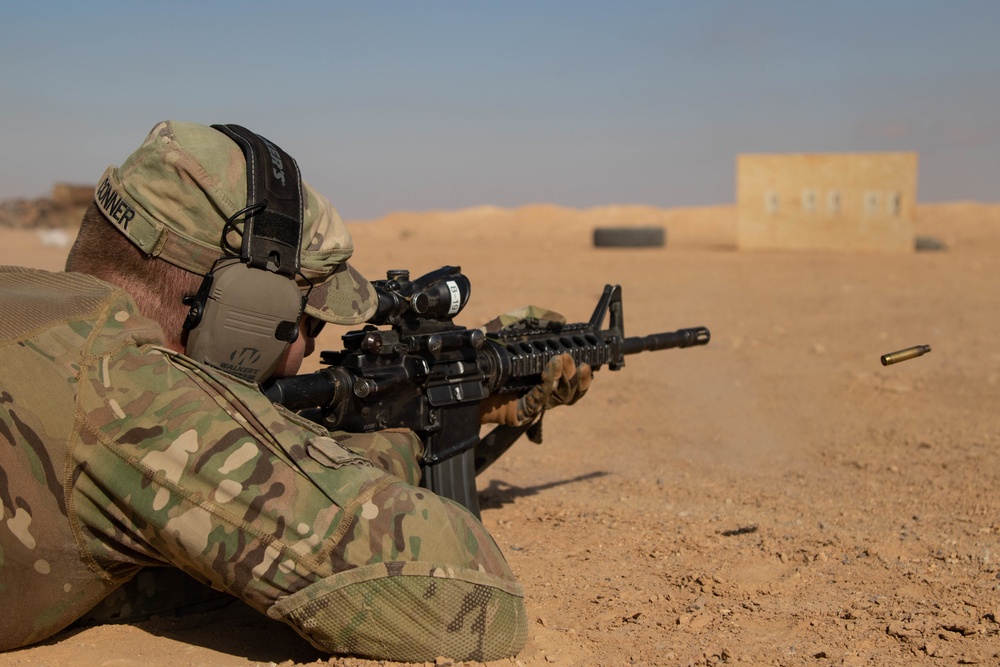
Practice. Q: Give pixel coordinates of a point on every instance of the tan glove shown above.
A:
(563, 383)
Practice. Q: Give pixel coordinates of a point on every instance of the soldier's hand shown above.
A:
(562, 383)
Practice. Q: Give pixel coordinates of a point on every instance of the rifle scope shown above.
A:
(439, 295)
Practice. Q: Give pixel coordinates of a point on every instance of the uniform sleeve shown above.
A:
(396, 451)
(194, 469)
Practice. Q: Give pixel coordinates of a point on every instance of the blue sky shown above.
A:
(420, 105)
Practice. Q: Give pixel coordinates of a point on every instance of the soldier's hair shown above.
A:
(157, 287)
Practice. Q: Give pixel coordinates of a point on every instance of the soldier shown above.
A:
(133, 434)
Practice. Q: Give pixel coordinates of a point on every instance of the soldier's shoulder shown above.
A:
(28, 283)
(34, 301)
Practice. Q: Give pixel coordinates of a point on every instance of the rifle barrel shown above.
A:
(665, 341)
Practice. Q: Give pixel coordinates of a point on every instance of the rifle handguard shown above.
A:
(561, 383)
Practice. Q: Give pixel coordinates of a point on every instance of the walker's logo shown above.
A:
(277, 166)
(246, 356)
(243, 364)
(113, 205)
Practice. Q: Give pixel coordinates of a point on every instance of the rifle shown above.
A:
(427, 374)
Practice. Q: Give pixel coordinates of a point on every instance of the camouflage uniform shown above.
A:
(117, 454)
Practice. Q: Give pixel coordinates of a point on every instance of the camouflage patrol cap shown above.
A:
(172, 198)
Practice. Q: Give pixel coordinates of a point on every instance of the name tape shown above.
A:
(113, 205)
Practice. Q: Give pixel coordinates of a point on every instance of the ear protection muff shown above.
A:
(247, 310)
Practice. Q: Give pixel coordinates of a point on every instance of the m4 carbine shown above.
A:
(427, 374)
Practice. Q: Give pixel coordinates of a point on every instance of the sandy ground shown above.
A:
(775, 498)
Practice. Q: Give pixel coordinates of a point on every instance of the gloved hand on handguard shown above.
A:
(563, 383)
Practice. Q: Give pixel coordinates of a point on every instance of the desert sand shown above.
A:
(777, 497)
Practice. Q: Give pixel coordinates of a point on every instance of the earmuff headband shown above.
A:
(272, 236)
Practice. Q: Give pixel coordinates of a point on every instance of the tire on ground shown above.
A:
(630, 237)
(932, 243)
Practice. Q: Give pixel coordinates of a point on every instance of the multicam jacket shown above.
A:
(117, 454)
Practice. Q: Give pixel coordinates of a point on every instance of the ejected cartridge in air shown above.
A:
(903, 355)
